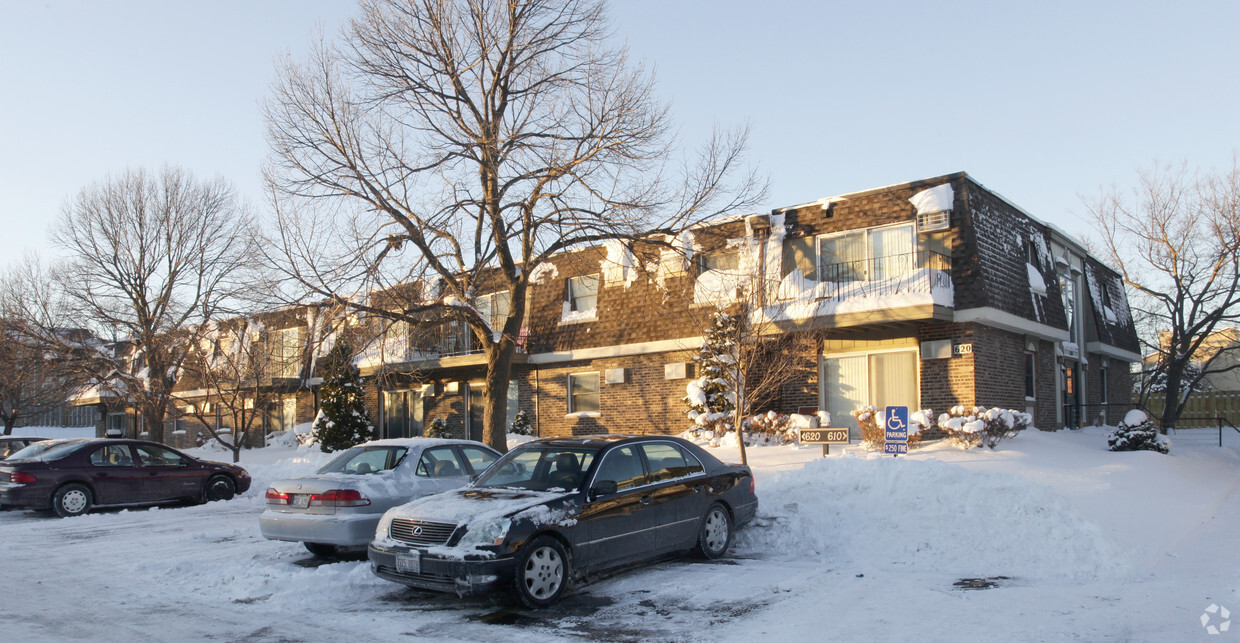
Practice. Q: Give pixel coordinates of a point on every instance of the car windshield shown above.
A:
(364, 459)
(49, 450)
(539, 468)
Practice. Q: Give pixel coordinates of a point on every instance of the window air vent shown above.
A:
(931, 221)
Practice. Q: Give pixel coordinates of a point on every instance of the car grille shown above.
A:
(444, 579)
(419, 532)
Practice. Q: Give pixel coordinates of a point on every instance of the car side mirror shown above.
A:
(603, 488)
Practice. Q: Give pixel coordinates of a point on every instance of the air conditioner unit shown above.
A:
(931, 221)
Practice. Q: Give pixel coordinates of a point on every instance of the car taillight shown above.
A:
(21, 478)
(339, 498)
(276, 498)
(750, 484)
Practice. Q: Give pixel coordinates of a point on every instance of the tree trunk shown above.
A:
(1171, 393)
(154, 419)
(499, 371)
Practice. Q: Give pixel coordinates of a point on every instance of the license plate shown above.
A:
(409, 563)
(301, 500)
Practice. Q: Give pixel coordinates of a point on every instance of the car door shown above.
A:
(116, 477)
(168, 475)
(619, 525)
(678, 493)
(440, 469)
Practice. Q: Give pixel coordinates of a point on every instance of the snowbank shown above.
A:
(926, 516)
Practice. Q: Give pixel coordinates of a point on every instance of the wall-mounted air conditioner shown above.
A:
(932, 221)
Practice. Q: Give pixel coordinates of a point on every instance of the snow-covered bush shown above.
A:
(874, 432)
(437, 428)
(873, 437)
(521, 424)
(969, 427)
(1137, 433)
(769, 428)
(343, 420)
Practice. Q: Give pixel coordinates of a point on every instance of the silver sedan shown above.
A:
(340, 506)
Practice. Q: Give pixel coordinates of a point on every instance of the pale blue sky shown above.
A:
(1040, 102)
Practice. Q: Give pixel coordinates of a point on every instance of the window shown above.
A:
(153, 456)
(402, 414)
(1102, 385)
(440, 462)
(623, 467)
(286, 352)
(363, 460)
(725, 260)
(668, 462)
(849, 382)
(1067, 285)
(494, 308)
(1031, 366)
(582, 295)
(479, 459)
(114, 455)
(875, 254)
(583, 392)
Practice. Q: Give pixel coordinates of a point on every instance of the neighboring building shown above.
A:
(928, 294)
(1221, 348)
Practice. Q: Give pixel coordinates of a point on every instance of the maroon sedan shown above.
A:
(74, 476)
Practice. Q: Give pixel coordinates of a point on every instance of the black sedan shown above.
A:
(554, 510)
(74, 476)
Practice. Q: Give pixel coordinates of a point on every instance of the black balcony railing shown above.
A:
(910, 272)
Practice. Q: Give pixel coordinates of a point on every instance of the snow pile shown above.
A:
(620, 264)
(935, 199)
(925, 516)
(1036, 283)
(543, 273)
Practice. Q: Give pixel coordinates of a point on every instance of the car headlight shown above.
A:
(491, 532)
(385, 523)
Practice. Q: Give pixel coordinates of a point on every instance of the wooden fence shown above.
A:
(1212, 404)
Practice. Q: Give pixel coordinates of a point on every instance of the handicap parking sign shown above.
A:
(896, 430)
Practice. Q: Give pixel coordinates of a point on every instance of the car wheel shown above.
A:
(71, 500)
(542, 572)
(219, 488)
(321, 550)
(715, 534)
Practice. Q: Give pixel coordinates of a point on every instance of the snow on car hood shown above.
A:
(473, 504)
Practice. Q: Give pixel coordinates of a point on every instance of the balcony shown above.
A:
(922, 272)
(899, 287)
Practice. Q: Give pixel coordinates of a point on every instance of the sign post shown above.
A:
(896, 438)
(825, 437)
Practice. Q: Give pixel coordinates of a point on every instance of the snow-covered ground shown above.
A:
(1079, 543)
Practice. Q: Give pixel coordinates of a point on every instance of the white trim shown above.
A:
(621, 350)
(1007, 321)
(1108, 350)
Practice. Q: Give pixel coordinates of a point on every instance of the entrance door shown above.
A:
(288, 413)
(855, 381)
(402, 414)
(1071, 397)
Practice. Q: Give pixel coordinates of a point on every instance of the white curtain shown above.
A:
(842, 258)
(893, 380)
(891, 249)
(844, 387)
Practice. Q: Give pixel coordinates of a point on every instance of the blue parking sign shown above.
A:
(897, 426)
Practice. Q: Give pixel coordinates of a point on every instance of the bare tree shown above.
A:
(230, 364)
(754, 356)
(151, 260)
(460, 143)
(37, 378)
(1176, 239)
